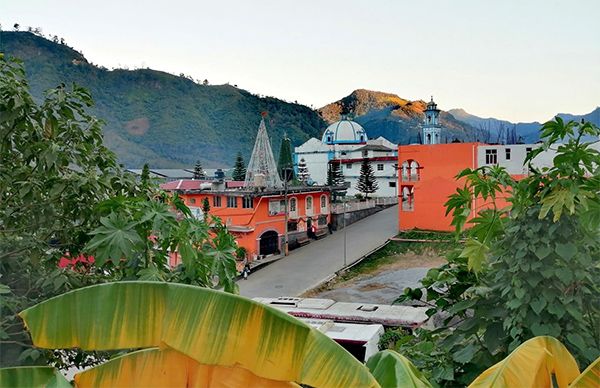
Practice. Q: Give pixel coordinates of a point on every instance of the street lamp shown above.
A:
(286, 175)
(344, 212)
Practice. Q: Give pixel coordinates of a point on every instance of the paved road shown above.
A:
(308, 266)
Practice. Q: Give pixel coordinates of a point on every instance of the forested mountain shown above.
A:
(161, 119)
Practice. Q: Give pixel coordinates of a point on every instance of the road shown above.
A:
(310, 265)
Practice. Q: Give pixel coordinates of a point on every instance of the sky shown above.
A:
(519, 60)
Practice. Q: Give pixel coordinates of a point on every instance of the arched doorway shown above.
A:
(269, 243)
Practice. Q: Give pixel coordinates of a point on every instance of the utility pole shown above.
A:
(344, 203)
(285, 200)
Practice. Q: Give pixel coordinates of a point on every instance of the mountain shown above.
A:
(158, 118)
(528, 132)
(393, 117)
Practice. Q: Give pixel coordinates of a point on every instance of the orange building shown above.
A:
(257, 218)
(428, 177)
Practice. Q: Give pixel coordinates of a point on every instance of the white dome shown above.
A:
(344, 132)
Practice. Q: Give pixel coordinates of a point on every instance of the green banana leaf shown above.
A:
(33, 376)
(211, 327)
(589, 378)
(532, 365)
(391, 369)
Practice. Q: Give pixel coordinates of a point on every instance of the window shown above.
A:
(292, 226)
(392, 184)
(293, 205)
(192, 200)
(365, 153)
(380, 167)
(231, 201)
(491, 156)
(247, 202)
(276, 207)
(348, 166)
(216, 201)
(507, 151)
(408, 198)
(343, 153)
(323, 201)
(322, 220)
(309, 203)
(328, 139)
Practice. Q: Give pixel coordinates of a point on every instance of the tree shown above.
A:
(239, 169)
(335, 177)
(367, 183)
(70, 216)
(303, 175)
(285, 163)
(205, 208)
(145, 176)
(17, 26)
(527, 270)
(199, 171)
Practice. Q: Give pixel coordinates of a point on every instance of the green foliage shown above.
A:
(528, 272)
(367, 183)
(158, 118)
(239, 169)
(285, 163)
(71, 217)
(199, 171)
(335, 177)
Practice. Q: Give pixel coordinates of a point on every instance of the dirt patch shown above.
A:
(371, 287)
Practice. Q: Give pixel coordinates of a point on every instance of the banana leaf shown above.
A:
(32, 376)
(532, 364)
(212, 327)
(590, 377)
(391, 369)
(169, 368)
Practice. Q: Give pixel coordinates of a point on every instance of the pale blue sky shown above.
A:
(516, 60)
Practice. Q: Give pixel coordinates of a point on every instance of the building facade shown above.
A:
(346, 142)
(257, 218)
(428, 177)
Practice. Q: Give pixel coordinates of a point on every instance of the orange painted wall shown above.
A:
(439, 164)
(258, 218)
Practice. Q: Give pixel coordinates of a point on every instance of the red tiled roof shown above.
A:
(234, 184)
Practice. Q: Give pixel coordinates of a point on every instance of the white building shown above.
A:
(346, 142)
(432, 130)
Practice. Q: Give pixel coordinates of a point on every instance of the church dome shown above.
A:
(344, 132)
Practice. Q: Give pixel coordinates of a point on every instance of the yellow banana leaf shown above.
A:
(169, 368)
(532, 364)
(589, 378)
(32, 376)
(391, 369)
(212, 327)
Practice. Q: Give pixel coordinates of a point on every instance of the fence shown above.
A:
(352, 206)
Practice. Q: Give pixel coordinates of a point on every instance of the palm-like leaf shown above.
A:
(532, 364)
(212, 327)
(169, 368)
(32, 376)
(391, 369)
(590, 377)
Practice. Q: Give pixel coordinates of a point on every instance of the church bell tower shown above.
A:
(432, 130)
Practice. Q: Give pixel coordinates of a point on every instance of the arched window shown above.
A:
(405, 170)
(328, 139)
(408, 198)
(293, 205)
(309, 205)
(414, 171)
(323, 202)
(428, 139)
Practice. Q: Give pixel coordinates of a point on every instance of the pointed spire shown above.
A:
(262, 169)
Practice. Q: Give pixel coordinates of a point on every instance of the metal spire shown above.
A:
(262, 169)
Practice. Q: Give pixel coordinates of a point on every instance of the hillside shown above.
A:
(158, 118)
(528, 132)
(390, 116)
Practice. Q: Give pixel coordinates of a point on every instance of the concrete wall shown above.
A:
(337, 220)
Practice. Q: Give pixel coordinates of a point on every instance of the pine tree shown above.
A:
(367, 183)
(145, 177)
(303, 175)
(239, 169)
(284, 166)
(199, 171)
(205, 208)
(335, 178)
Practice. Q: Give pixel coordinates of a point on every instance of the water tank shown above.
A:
(219, 174)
